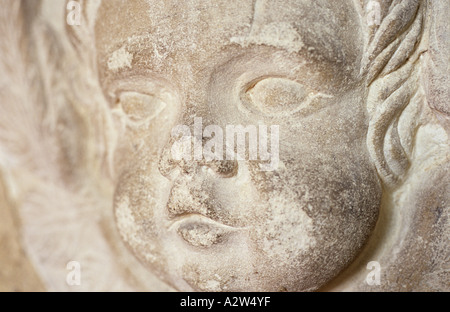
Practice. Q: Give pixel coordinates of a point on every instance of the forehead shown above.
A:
(160, 33)
(168, 24)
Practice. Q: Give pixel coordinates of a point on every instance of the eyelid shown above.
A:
(150, 86)
(129, 96)
(141, 106)
(303, 99)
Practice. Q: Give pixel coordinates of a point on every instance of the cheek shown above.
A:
(318, 215)
(139, 212)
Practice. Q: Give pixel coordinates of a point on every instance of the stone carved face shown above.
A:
(229, 225)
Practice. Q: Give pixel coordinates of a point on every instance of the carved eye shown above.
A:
(139, 106)
(278, 96)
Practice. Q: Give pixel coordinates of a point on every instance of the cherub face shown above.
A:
(229, 225)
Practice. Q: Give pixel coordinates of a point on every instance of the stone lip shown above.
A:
(200, 231)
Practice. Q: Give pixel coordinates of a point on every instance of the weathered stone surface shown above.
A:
(357, 90)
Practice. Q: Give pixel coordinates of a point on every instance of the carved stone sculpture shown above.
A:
(349, 102)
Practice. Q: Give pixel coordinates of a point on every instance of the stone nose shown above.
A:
(190, 161)
(188, 196)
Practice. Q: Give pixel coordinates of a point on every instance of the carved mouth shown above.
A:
(200, 231)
